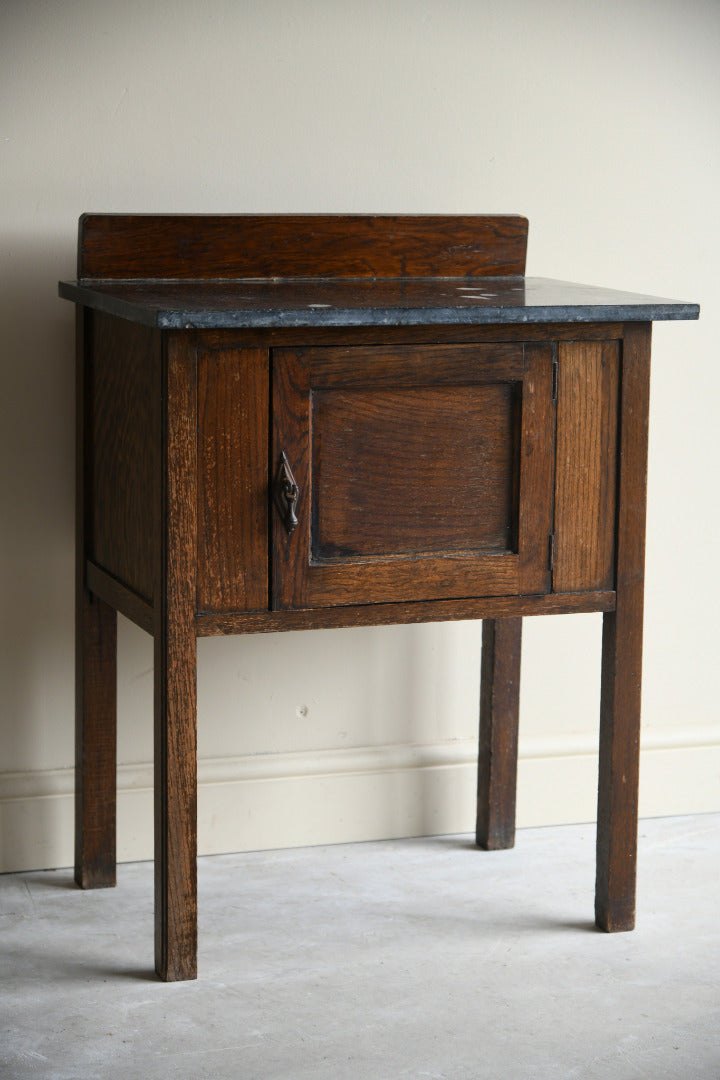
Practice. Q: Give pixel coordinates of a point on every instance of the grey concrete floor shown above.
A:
(403, 959)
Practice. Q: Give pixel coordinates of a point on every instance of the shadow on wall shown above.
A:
(37, 553)
(37, 498)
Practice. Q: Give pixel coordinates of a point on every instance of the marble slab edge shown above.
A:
(176, 318)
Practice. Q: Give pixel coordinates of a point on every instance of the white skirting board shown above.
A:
(336, 796)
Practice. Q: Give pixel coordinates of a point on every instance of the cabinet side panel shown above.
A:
(233, 417)
(585, 479)
(124, 427)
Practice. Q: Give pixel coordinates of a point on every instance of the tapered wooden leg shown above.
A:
(622, 656)
(175, 676)
(499, 711)
(95, 742)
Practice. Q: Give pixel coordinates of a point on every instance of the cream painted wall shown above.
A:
(600, 122)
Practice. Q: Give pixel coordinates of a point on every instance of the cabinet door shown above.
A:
(414, 473)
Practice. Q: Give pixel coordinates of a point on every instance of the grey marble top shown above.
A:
(296, 302)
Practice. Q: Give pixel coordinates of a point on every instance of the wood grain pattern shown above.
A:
(299, 245)
(498, 743)
(585, 473)
(392, 580)
(175, 674)
(95, 677)
(484, 607)
(122, 454)
(233, 436)
(119, 597)
(305, 577)
(536, 469)
(622, 654)
(258, 622)
(431, 470)
(95, 742)
(391, 366)
(344, 338)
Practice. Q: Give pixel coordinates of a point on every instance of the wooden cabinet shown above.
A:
(290, 422)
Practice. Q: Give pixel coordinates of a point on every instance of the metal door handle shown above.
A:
(286, 494)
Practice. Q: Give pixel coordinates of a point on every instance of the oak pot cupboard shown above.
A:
(293, 421)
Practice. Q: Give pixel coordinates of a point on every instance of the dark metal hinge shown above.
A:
(555, 379)
(551, 552)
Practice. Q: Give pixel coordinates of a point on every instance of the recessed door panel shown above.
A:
(433, 470)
